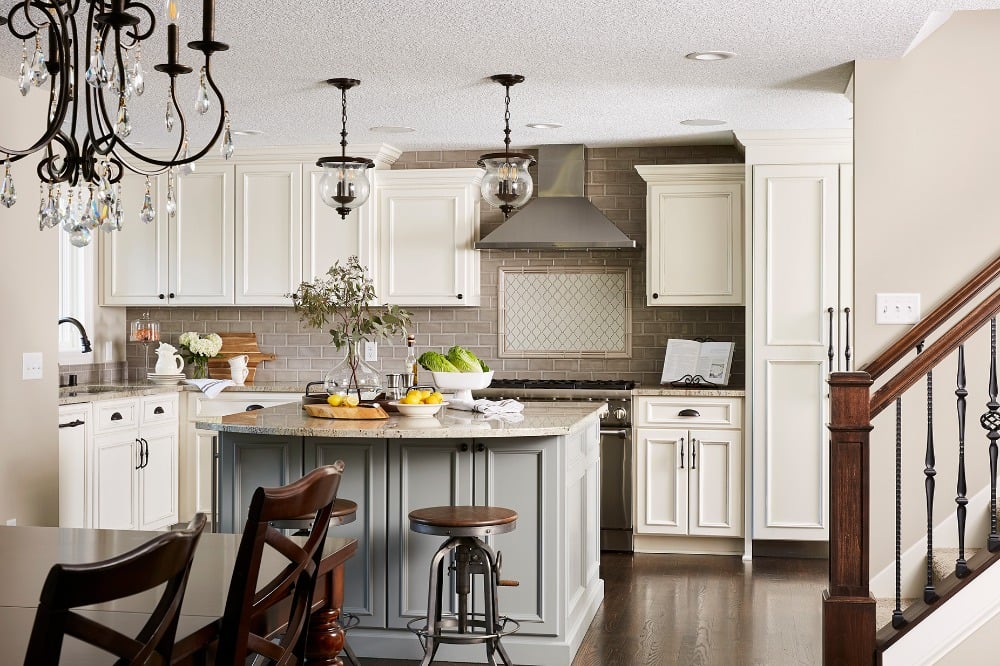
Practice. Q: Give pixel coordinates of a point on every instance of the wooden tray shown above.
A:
(355, 413)
(234, 344)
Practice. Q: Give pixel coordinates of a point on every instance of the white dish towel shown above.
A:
(211, 387)
(489, 407)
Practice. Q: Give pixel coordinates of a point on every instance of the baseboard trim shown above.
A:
(646, 543)
(805, 550)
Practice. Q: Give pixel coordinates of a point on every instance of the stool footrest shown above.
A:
(508, 582)
(448, 629)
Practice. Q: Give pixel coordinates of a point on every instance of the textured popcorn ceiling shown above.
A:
(611, 72)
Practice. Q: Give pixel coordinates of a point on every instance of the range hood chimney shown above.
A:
(560, 218)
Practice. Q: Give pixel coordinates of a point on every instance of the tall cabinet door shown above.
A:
(715, 479)
(135, 259)
(327, 238)
(269, 233)
(201, 241)
(797, 285)
(662, 483)
(158, 478)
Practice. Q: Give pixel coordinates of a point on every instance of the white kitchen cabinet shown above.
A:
(802, 285)
(694, 234)
(75, 456)
(134, 470)
(186, 259)
(427, 223)
(268, 232)
(689, 466)
(328, 238)
(197, 453)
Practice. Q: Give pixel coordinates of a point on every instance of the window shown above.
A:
(76, 296)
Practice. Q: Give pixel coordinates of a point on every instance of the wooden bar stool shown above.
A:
(464, 525)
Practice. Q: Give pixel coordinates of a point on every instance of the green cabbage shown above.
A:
(436, 362)
(464, 360)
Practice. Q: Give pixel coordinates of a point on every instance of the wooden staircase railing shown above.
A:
(849, 631)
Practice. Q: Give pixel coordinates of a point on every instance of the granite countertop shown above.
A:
(540, 419)
(69, 395)
(692, 392)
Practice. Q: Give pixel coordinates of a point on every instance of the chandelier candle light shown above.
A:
(93, 68)
(344, 185)
(507, 184)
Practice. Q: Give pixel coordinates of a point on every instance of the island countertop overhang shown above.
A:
(539, 420)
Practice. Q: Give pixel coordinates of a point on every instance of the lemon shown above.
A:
(425, 393)
(412, 398)
(351, 400)
(334, 400)
(434, 399)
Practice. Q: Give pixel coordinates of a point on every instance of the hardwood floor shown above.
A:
(665, 610)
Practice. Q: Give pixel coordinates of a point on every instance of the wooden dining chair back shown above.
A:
(248, 600)
(165, 559)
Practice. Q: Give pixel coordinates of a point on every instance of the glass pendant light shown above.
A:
(344, 185)
(507, 185)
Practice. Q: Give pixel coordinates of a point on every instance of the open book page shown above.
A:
(688, 358)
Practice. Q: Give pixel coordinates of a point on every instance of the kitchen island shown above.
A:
(544, 465)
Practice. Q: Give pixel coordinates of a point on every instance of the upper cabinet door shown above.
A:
(134, 260)
(268, 233)
(694, 234)
(428, 221)
(201, 242)
(328, 238)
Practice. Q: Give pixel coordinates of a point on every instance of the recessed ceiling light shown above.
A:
(392, 129)
(247, 132)
(702, 122)
(545, 125)
(710, 55)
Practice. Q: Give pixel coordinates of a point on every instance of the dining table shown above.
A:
(27, 554)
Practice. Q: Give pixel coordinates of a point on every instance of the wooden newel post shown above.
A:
(848, 607)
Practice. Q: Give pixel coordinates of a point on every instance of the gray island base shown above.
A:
(545, 467)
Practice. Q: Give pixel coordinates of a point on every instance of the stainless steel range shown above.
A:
(616, 441)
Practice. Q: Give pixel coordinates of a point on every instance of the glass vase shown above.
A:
(199, 367)
(353, 376)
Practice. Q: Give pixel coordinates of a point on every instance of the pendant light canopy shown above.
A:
(345, 184)
(507, 184)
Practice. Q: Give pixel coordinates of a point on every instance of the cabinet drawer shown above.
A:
(111, 415)
(159, 409)
(235, 402)
(689, 411)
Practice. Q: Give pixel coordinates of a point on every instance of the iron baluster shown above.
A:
(990, 421)
(930, 594)
(847, 339)
(961, 566)
(897, 614)
(829, 349)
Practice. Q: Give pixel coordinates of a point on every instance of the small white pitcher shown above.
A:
(168, 361)
(238, 368)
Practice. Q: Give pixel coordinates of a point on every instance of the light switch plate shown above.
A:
(31, 365)
(897, 308)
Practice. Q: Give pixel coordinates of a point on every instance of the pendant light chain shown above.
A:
(506, 120)
(343, 120)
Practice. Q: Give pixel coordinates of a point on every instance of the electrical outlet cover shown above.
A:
(371, 351)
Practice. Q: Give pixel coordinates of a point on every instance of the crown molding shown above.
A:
(828, 146)
(692, 173)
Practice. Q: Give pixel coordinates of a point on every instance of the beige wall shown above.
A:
(927, 166)
(29, 298)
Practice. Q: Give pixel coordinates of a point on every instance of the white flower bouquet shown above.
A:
(197, 350)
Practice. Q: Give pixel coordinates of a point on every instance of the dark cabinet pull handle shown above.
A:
(460, 297)
(480, 447)
(161, 296)
(145, 446)
(138, 464)
(682, 453)
(829, 348)
(72, 424)
(694, 451)
(847, 339)
(463, 447)
(158, 410)
(254, 408)
(116, 416)
(689, 412)
(655, 295)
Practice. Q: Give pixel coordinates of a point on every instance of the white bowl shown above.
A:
(419, 410)
(462, 384)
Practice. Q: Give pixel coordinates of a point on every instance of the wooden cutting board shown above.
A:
(234, 344)
(356, 413)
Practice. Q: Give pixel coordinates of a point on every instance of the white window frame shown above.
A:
(77, 282)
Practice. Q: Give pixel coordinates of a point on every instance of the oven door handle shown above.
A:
(617, 432)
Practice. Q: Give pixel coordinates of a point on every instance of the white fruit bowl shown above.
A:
(462, 384)
(419, 410)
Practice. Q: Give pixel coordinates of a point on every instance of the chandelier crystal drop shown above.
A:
(507, 184)
(344, 185)
(88, 58)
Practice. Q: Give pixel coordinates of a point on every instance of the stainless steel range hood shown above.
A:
(560, 217)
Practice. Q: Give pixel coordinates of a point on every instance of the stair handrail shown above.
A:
(926, 326)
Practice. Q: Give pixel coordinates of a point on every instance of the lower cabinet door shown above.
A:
(662, 461)
(422, 473)
(251, 461)
(364, 483)
(158, 478)
(116, 457)
(716, 483)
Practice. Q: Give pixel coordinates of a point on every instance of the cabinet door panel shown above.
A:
(201, 245)
(158, 479)
(134, 261)
(716, 480)
(269, 233)
(327, 238)
(364, 483)
(74, 465)
(662, 489)
(249, 462)
(115, 492)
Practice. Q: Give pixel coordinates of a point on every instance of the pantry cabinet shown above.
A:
(694, 234)
(689, 466)
(75, 456)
